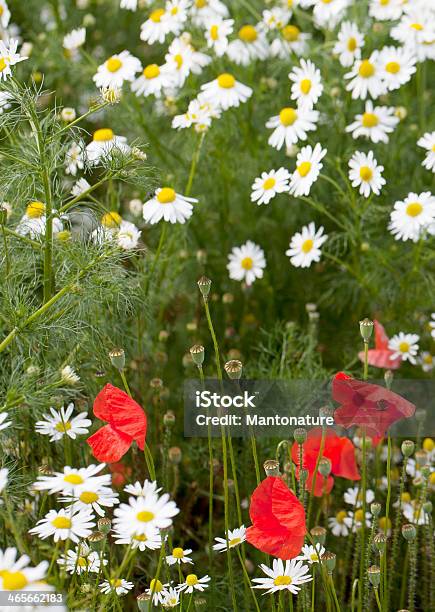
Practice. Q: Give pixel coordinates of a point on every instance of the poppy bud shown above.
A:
(380, 541)
(96, 540)
(227, 298)
(234, 369)
(144, 602)
(303, 475)
(366, 329)
(300, 435)
(326, 411)
(271, 467)
(175, 455)
(169, 418)
(104, 525)
(388, 377)
(313, 317)
(329, 559)
(204, 285)
(45, 470)
(407, 448)
(374, 574)
(197, 352)
(324, 467)
(117, 357)
(156, 383)
(318, 534)
(421, 457)
(409, 532)
(163, 335)
(417, 482)
(201, 256)
(200, 603)
(427, 507)
(375, 508)
(425, 471)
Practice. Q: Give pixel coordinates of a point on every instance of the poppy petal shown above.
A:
(109, 445)
(119, 409)
(277, 543)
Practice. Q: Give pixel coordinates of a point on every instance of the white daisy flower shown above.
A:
(432, 325)
(305, 246)
(169, 206)
(250, 45)
(396, 66)
(74, 159)
(416, 30)
(9, 57)
(142, 489)
(178, 556)
(153, 81)
(177, 13)
(216, 34)
(116, 585)
(307, 84)
(179, 61)
(428, 142)
(198, 60)
(143, 515)
(404, 346)
(427, 361)
(171, 598)
(412, 216)
(3, 479)
(337, 524)
(354, 520)
(60, 424)
(156, 27)
(5, 14)
(365, 78)
(104, 144)
(158, 591)
(365, 173)
(349, 43)
(265, 187)
(91, 496)
(203, 11)
(291, 125)
(74, 40)
(235, 538)
(275, 18)
(76, 562)
(67, 481)
(353, 496)
(3, 417)
(128, 236)
(328, 13)
(129, 5)
(116, 70)
(246, 263)
(308, 166)
(151, 541)
(225, 92)
(290, 40)
(65, 524)
(311, 554)
(68, 374)
(193, 583)
(15, 575)
(414, 513)
(283, 576)
(386, 10)
(33, 222)
(5, 101)
(375, 123)
(81, 186)
(199, 114)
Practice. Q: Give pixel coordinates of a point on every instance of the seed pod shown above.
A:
(175, 455)
(104, 525)
(96, 540)
(375, 508)
(117, 358)
(421, 457)
(409, 532)
(197, 352)
(318, 534)
(169, 418)
(374, 574)
(234, 369)
(204, 285)
(300, 435)
(380, 541)
(325, 467)
(407, 447)
(271, 467)
(366, 329)
(329, 559)
(144, 602)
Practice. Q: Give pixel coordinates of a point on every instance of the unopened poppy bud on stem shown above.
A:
(407, 448)
(197, 352)
(329, 559)
(96, 540)
(204, 285)
(421, 457)
(380, 541)
(169, 418)
(426, 471)
(375, 508)
(324, 467)
(104, 525)
(234, 369)
(300, 435)
(175, 455)
(409, 532)
(144, 602)
(117, 358)
(271, 467)
(366, 329)
(374, 574)
(427, 507)
(318, 534)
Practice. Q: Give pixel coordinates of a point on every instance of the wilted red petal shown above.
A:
(319, 487)
(380, 356)
(109, 445)
(277, 543)
(119, 409)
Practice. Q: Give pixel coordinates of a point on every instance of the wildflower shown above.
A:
(117, 585)
(34, 221)
(156, 27)
(3, 416)
(65, 524)
(396, 66)
(276, 18)
(307, 84)
(177, 13)
(68, 114)
(193, 583)
(375, 123)
(9, 57)
(127, 423)
(428, 142)
(305, 246)
(130, 5)
(290, 40)
(142, 489)
(269, 184)
(288, 576)
(328, 14)
(372, 407)
(75, 562)
(158, 591)
(415, 30)
(171, 598)
(381, 355)
(74, 40)
(69, 375)
(354, 520)
(116, 70)
(153, 81)
(225, 92)
(246, 262)
(169, 206)
(15, 575)
(311, 554)
(128, 236)
(180, 61)
(199, 114)
(178, 556)
(216, 34)
(353, 496)
(365, 78)
(404, 346)
(338, 525)
(104, 144)
(349, 44)
(412, 216)
(278, 519)
(151, 541)
(250, 45)
(144, 515)
(235, 538)
(291, 125)
(365, 173)
(91, 496)
(60, 424)
(80, 187)
(308, 166)
(5, 14)
(432, 325)
(67, 481)
(386, 10)
(74, 159)
(426, 360)
(5, 101)
(203, 11)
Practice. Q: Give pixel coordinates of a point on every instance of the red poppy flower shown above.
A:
(120, 473)
(380, 356)
(127, 422)
(278, 519)
(339, 450)
(369, 406)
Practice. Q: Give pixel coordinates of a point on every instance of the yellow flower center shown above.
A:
(1, 11)
(156, 586)
(404, 347)
(432, 478)
(13, 581)
(282, 581)
(111, 219)
(88, 497)
(392, 67)
(366, 173)
(406, 497)
(340, 516)
(214, 32)
(248, 33)
(414, 209)
(247, 263)
(192, 579)
(351, 44)
(113, 64)
(145, 516)
(75, 479)
(178, 553)
(151, 72)
(157, 15)
(417, 26)
(306, 86)
(116, 582)
(63, 236)
(433, 148)
(226, 81)
(428, 359)
(326, 1)
(166, 195)
(366, 70)
(174, 10)
(369, 120)
(140, 538)
(307, 245)
(35, 210)
(82, 562)
(103, 135)
(428, 443)
(61, 522)
(291, 33)
(384, 2)
(201, 3)
(269, 183)
(304, 168)
(3, 64)
(359, 516)
(314, 557)
(178, 59)
(234, 542)
(384, 523)
(288, 116)
(63, 427)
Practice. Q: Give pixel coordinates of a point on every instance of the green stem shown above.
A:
(7, 257)
(193, 165)
(334, 594)
(248, 582)
(377, 600)
(214, 340)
